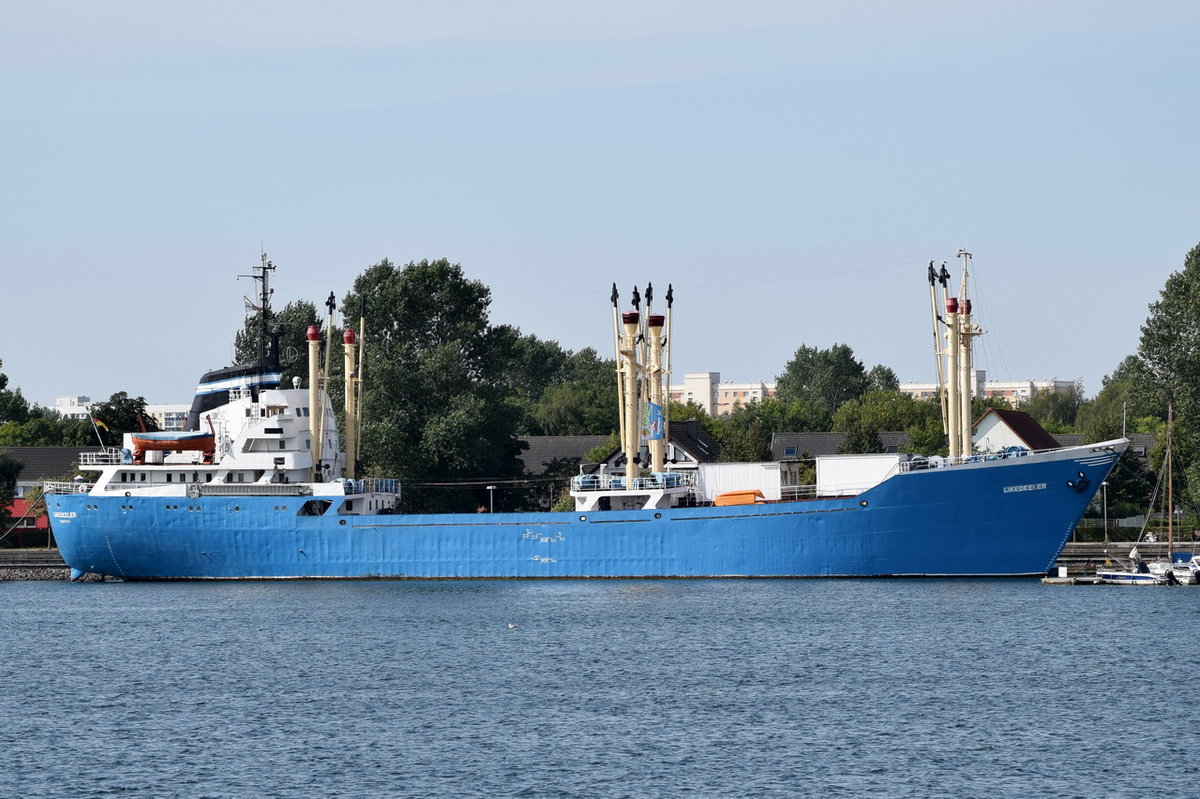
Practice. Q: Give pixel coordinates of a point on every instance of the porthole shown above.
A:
(237, 508)
(863, 502)
(658, 515)
(342, 522)
(583, 518)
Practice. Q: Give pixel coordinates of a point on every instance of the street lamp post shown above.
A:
(491, 500)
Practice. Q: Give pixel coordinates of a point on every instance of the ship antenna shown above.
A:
(262, 275)
(331, 306)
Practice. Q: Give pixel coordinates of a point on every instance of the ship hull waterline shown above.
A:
(1004, 518)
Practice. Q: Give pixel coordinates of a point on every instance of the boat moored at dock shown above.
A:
(271, 494)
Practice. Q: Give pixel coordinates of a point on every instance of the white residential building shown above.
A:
(169, 417)
(717, 398)
(73, 407)
(1014, 391)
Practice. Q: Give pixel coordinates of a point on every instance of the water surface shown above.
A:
(722, 688)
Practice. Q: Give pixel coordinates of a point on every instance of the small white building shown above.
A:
(999, 429)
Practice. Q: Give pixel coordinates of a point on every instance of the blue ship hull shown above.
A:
(1009, 517)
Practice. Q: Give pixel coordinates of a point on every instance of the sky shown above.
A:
(788, 167)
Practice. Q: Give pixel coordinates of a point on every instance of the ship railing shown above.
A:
(66, 487)
(372, 485)
(619, 482)
(798, 492)
(108, 456)
(917, 463)
(196, 490)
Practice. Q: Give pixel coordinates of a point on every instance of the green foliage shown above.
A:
(575, 396)
(598, 454)
(683, 411)
(928, 437)
(861, 438)
(1056, 411)
(438, 406)
(122, 414)
(13, 406)
(292, 324)
(46, 432)
(1130, 486)
(822, 380)
(1169, 370)
(878, 411)
(574, 409)
(1116, 409)
(882, 378)
(745, 434)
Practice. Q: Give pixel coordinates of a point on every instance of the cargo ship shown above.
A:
(261, 487)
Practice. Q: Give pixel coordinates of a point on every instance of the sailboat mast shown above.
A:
(1170, 486)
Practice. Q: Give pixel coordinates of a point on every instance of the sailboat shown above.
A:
(1174, 568)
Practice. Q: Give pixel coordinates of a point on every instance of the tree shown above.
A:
(875, 411)
(745, 432)
(292, 324)
(1169, 351)
(1056, 410)
(560, 392)
(882, 378)
(860, 438)
(119, 414)
(1116, 408)
(822, 379)
(437, 407)
(13, 406)
(574, 409)
(744, 435)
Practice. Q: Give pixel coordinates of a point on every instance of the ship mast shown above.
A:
(934, 278)
(262, 276)
(643, 368)
(967, 332)
(960, 333)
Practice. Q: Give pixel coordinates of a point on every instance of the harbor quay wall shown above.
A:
(32, 564)
(47, 564)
